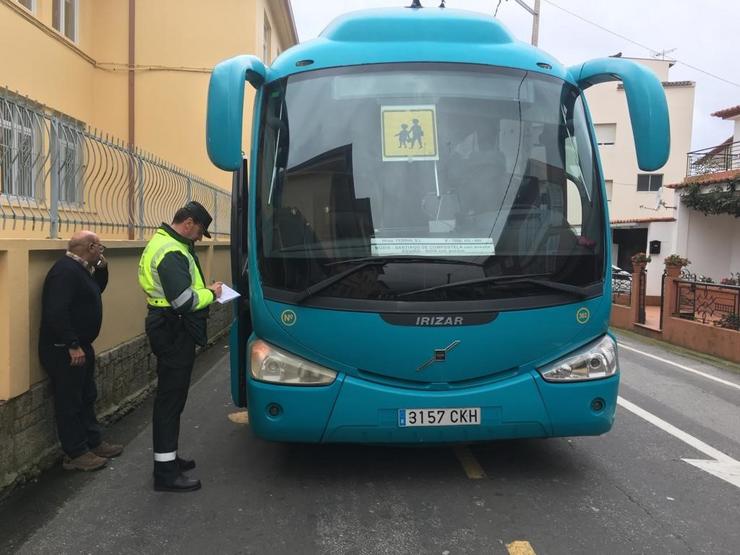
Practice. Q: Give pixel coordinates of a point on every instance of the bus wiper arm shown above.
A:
(505, 280)
(577, 290)
(311, 290)
(364, 263)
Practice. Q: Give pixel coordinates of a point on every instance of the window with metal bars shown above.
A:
(20, 151)
(67, 162)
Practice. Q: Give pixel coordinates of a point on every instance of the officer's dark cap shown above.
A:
(200, 215)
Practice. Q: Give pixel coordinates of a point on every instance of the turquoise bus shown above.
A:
(423, 243)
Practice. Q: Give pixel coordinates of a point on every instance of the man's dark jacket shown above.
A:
(71, 304)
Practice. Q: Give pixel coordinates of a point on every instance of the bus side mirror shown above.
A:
(646, 101)
(226, 108)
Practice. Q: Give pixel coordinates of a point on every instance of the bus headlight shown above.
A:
(592, 362)
(270, 364)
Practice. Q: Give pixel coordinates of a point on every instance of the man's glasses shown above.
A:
(101, 246)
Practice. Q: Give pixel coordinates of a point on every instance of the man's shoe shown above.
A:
(107, 450)
(85, 462)
(180, 484)
(185, 464)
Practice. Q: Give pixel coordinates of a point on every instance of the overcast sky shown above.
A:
(704, 34)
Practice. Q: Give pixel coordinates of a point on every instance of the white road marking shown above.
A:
(722, 466)
(681, 366)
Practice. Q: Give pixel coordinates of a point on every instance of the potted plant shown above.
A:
(676, 260)
(640, 259)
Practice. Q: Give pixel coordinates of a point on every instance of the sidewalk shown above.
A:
(670, 348)
(30, 505)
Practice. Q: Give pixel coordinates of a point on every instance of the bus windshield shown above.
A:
(427, 182)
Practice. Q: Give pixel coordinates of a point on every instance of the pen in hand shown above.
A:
(216, 288)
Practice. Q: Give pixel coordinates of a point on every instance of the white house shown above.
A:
(712, 241)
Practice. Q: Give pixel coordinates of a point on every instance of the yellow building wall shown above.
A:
(46, 69)
(23, 268)
(109, 32)
(177, 44)
(171, 103)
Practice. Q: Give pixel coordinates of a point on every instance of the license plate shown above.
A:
(439, 417)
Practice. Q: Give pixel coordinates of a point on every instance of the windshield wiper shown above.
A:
(508, 280)
(317, 287)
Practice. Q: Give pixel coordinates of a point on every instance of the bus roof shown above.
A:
(415, 35)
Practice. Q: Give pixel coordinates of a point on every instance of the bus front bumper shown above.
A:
(358, 411)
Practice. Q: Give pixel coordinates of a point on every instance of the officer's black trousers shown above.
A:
(74, 393)
(174, 348)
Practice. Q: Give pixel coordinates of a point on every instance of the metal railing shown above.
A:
(56, 173)
(621, 290)
(714, 159)
(708, 303)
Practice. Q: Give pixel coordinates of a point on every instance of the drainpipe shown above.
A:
(131, 115)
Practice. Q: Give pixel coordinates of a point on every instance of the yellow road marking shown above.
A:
(239, 417)
(469, 463)
(520, 547)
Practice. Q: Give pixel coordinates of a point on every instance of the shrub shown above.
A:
(640, 258)
(730, 321)
(676, 260)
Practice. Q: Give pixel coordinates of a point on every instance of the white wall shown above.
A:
(713, 244)
(608, 105)
(735, 249)
(665, 232)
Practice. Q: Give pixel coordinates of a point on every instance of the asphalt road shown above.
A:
(629, 491)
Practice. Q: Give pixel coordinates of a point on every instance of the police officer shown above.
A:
(178, 299)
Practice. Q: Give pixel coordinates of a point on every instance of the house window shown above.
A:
(605, 133)
(64, 18)
(67, 163)
(649, 181)
(20, 146)
(609, 188)
(267, 45)
(28, 4)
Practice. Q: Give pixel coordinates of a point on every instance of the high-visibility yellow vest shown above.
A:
(159, 245)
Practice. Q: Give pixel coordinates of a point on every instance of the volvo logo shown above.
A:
(440, 355)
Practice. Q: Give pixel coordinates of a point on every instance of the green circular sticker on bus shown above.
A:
(583, 315)
(288, 317)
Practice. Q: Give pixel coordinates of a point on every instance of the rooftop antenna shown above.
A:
(661, 54)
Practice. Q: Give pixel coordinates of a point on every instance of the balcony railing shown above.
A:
(713, 160)
(57, 175)
(709, 303)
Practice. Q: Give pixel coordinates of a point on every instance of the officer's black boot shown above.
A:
(167, 477)
(185, 464)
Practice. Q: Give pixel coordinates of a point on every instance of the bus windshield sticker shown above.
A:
(424, 246)
(409, 133)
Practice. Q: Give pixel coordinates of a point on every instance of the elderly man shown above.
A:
(71, 315)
